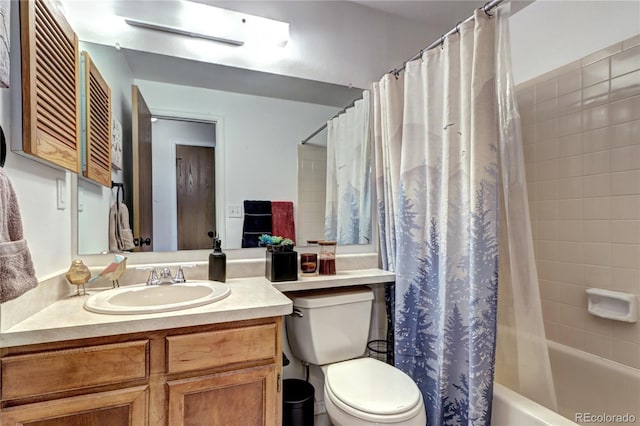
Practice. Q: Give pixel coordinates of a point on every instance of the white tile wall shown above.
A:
(581, 131)
(312, 177)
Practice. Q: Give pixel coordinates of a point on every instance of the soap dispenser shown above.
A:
(217, 260)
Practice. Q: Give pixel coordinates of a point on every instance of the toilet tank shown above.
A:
(329, 325)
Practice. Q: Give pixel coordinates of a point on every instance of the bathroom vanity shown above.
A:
(214, 364)
(219, 363)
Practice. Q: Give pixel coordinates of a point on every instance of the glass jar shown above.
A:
(309, 259)
(327, 257)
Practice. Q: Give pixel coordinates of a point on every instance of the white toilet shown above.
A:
(329, 328)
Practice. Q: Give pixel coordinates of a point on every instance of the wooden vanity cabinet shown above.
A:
(221, 374)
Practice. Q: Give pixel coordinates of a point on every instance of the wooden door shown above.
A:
(195, 187)
(124, 407)
(237, 398)
(141, 156)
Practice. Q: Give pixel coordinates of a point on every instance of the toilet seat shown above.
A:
(372, 391)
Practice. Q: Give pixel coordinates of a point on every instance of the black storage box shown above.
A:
(281, 265)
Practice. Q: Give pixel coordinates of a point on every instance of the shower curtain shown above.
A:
(439, 152)
(348, 190)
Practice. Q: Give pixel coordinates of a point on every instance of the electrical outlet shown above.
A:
(235, 210)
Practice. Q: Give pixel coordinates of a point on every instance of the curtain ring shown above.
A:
(442, 37)
(458, 26)
(484, 8)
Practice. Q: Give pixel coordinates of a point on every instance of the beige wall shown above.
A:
(581, 129)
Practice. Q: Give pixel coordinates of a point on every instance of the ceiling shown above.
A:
(440, 13)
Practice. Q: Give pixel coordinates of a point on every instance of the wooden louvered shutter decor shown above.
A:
(96, 165)
(50, 90)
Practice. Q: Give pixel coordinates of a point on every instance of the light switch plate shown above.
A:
(61, 194)
(235, 210)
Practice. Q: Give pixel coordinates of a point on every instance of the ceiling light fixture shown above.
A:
(181, 31)
(206, 22)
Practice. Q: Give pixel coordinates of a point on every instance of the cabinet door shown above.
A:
(50, 90)
(242, 397)
(125, 407)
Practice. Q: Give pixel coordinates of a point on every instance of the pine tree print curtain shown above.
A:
(436, 161)
(348, 205)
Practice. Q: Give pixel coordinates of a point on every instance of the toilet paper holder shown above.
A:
(612, 304)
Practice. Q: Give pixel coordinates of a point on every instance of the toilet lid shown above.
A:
(372, 386)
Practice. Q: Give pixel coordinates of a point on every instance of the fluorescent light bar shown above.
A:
(181, 31)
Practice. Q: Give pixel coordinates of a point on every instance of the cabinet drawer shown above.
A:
(211, 349)
(55, 371)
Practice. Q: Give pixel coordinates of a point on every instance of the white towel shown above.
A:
(120, 234)
(17, 274)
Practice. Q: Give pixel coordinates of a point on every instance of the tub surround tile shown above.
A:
(595, 140)
(569, 103)
(595, 95)
(626, 353)
(598, 276)
(570, 252)
(570, 82)
(625, 134)
(626, 280)
(595, 117)
(587, 196)
(625, 232)
(625, 86)
(602, 54)
(569, 272)
(595, 72)
(625, 183)
(631, 42)
(629, 332)
(627, 158)
(626, 61)
(577, 338)
(625, 110)
(596, 231)
(578, 317)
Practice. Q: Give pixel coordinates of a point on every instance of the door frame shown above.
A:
(221, 187)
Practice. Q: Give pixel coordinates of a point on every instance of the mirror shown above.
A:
(258, 119)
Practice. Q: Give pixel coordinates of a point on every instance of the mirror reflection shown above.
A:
(243, 128)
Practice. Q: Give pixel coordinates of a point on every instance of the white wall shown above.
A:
(251, 128)
(548, 34)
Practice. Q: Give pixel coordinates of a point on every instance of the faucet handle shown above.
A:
(153, 276)
(180, 274)
(165, 273)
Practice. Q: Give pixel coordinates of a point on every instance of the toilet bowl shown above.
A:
(366, 391)
(329, 328)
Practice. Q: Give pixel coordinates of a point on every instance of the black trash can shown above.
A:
(297, 401)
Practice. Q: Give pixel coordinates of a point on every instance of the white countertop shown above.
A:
(250, 298)
(341, 279)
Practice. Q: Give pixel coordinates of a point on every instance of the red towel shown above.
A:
(282, 220)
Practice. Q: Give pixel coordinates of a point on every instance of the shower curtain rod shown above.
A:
(486, 8)
(353, 102)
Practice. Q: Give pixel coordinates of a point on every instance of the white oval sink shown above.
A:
(144, 299)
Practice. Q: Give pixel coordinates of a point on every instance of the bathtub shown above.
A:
(590, 390)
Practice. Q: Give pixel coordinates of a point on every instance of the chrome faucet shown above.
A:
(165, 275)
